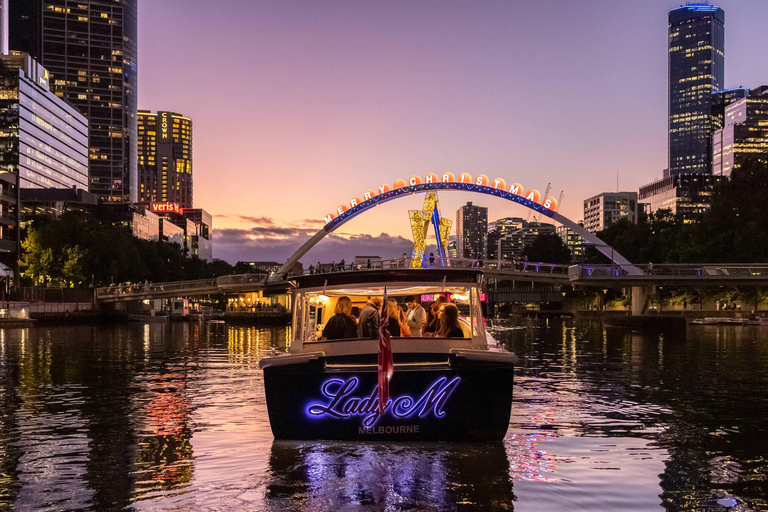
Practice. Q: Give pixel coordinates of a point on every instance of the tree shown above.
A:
(735, 228)
(549, 248)
(37, 259)
(68, 250)
(73, 270)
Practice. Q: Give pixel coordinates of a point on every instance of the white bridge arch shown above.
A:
(390, 195)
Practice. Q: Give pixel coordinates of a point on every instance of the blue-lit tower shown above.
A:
(696, 70)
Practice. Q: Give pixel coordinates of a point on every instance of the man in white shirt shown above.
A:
(416, 317)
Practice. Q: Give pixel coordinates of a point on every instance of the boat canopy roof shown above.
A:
(397, 282)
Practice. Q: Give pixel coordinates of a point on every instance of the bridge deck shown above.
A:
(704, 274)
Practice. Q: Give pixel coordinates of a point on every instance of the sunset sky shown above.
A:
(300, 105)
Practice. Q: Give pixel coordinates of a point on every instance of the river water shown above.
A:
(172, 417)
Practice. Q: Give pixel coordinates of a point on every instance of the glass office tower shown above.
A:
(43, 144)
(165, 158)
(90, 49)
(696, 70)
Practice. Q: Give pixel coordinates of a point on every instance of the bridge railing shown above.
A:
(670, 270)
(508, 266)
(241, 279)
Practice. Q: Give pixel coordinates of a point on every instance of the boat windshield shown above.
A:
(414, 311)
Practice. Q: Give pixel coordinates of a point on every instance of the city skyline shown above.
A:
(501, 90)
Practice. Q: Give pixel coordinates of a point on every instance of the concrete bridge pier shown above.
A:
(640, 296)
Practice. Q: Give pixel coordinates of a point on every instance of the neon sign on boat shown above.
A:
(343, 405)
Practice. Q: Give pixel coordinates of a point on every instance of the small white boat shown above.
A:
(457, 388)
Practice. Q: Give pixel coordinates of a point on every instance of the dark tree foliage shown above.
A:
(75, 249)
(548, 247)
(733, 230)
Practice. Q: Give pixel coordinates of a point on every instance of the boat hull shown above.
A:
(452, 400)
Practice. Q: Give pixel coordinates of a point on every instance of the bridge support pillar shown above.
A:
(640, 296)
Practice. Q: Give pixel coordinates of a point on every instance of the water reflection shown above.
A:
(163, 416)
(360, 476)
(695, 403)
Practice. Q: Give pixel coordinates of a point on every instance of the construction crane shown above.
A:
(546, 194)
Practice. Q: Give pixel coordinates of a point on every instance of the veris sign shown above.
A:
(481, 181)
(165, 208)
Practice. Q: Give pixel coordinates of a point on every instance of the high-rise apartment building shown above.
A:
(744, 134)
(512, 246)
(498, 230)
(696, 70)
(604, 209)
(165, 158)
(90, 49)
(471, 229)
(573, 241)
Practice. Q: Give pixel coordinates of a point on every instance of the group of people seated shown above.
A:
(442, 320)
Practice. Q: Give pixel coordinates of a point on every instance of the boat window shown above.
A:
(313, 309)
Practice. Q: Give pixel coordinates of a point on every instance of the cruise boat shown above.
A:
(454, 389)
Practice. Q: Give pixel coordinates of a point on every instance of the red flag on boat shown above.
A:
(386, 367)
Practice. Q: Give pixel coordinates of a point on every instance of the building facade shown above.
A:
(201, 235)
(744, 134)
(696, 70)
(573, 241)
(165, 158)
(43, 144)
(604, 209)
(471, 230)
(685, 195)
(44, 139)
(90, 49)
(512, 247)
(54, 202)
(498, 230)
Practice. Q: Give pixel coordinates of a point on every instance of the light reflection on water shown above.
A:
(172, 417)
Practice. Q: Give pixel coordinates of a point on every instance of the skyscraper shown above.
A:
(165, 158)
(90, 49)
(471, 229)
(696, 70)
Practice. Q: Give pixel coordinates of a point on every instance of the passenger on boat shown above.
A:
(416, 317)
(431, 326)
(368, 325)
(341, 325)
(449, 322)
(398, 326)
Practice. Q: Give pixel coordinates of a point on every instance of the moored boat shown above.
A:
(456, 388)
(133, 317)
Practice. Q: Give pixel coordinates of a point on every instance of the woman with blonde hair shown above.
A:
(341, 325)
(448, 322)
(398, 325)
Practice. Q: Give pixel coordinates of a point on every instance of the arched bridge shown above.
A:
(402, 190)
